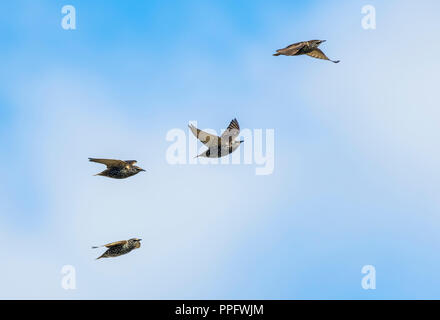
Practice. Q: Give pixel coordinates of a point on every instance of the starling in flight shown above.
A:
(219, 146)
(119, 248)
(309, 48)
(118, 169)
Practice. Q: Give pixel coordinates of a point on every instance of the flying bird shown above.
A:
(118, 169)
(119, 248)
(219, 146)
(309, 48)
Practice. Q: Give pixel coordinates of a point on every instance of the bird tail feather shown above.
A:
(101, 256)
(276, 54)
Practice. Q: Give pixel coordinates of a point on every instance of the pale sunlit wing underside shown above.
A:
(209, 140)
(232, 132)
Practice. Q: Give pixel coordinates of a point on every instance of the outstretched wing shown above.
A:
(113, 244)
(232, 131)
(292, 49)
(130, 162)
(117, 243)
(110, 162)
(208, 139)
(318, 54)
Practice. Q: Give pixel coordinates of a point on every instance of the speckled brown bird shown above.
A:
(309, 48)
(119, 248)
(118, 169)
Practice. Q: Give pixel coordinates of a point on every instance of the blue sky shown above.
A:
(356, 150)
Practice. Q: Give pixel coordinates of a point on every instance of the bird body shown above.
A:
(118, 169)
(119, 248)
(309, 48)
(220, 151)
(219, 146)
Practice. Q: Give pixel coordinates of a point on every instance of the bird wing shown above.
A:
(232, 131)
(130, 162)
(110, 162)
(113, 244)
(318, 54)
(292, 49)
(117, 243)
(208, 139)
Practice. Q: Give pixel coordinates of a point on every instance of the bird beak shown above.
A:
(323, 41)
(241, 141)
(143, 170)
(139, 239)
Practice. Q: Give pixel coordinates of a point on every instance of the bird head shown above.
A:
(317, 42)
(138, 169)
(236, 143)
(136, 242)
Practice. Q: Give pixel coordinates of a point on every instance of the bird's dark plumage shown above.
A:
(119, 248)
(309, 48)
(118, 169)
